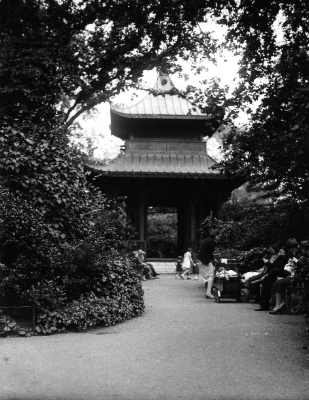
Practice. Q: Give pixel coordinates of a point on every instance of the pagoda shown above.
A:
(164, 163)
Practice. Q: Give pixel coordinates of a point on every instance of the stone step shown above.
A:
(164, 267)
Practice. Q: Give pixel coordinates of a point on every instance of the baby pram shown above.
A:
(226, 286)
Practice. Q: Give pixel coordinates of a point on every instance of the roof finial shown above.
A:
(162, 70)
(164, 83)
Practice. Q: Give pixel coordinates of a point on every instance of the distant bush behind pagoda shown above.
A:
(249, 225)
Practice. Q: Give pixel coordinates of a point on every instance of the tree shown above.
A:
(79, 54)
(61, 58)
(272, 152)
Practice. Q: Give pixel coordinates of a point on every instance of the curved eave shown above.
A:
(154, 165)
(161, 175)
(162, 116)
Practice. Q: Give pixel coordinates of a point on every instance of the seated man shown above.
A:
(152, 274)
(142, 269)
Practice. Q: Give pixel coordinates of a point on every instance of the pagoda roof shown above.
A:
(163, 101)
(152, 164)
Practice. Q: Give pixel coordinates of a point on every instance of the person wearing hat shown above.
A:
(205, 261)
(152, 274)
(141, 266)
(277, 272)
(301, 271)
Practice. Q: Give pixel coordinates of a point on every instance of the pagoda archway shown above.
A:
(162, 232)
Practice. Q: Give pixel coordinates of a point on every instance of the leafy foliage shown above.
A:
(272, 151)
(211, 99)
(60, 59)
(162, 235)
(59, 274)
(254, 225)
(40, 166)
(64, 247)
(82, 53)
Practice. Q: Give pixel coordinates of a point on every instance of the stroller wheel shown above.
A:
(216, 293)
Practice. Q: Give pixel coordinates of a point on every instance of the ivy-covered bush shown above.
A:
(37, 164)
(110, 294)
(77, 283)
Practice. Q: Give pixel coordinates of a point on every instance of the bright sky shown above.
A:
(97, 127)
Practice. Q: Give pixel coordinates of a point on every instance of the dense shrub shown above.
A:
(37, 164)
(116, 295)
(258, 225)
(247, 228)
(64, 277)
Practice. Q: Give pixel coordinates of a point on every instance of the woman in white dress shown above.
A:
(187, 263)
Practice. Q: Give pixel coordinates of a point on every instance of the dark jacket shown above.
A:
(279, 262)
(206, 253)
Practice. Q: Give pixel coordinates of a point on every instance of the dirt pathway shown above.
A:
(183, 347)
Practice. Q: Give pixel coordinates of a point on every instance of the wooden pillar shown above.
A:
(180, 241)
(204, 209)
(141, 217)
(131, 211)
(183, 233)
(192, 220)
(114, 195)
(137, 212)
(193, 225)
(216, 207)
(219, 206)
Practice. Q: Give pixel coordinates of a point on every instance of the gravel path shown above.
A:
(183, 347)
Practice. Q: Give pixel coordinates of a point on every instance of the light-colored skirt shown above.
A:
(207, 272)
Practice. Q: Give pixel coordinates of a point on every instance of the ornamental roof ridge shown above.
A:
(163, 100)
(164, 85)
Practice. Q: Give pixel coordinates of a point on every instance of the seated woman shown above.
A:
(276, 271)
(274, 261)
(301, 271)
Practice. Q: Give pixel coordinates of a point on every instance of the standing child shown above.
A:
(196, 271)
(187, 263)
(179, 267)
